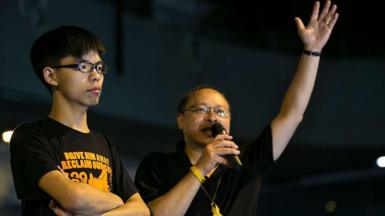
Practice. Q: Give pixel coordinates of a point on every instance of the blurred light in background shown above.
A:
(7, 136)
(330, 206)
(381, 161)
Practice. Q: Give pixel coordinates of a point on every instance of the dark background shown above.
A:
(158, 49)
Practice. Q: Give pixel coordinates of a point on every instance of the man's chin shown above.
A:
(89, 104)
(94, 102)
(204, 141)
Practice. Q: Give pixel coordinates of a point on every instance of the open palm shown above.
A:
(317, 32)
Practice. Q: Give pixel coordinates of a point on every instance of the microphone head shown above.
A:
(216, 129)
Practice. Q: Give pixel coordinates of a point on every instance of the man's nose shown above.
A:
(211, 115)
(94, 75)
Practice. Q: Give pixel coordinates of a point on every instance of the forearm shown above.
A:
(134, 206)
(176, 201)
(298, 94)
(76, 197)
(92, 201)
(294, 104)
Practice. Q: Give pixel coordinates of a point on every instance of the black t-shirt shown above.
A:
(238, 190)
(38, 148)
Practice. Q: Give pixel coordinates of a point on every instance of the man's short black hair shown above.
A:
(59, 43)
(189, 94)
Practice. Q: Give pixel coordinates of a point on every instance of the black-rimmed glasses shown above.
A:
(86, 67)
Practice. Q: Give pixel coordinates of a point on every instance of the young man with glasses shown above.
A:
(190, 181)
(61, 166)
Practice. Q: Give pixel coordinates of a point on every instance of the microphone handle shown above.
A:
(236, 159)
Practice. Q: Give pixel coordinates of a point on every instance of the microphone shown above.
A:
(216, 129)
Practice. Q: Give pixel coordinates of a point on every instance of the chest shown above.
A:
(84, 159)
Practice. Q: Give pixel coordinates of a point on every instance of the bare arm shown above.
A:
(314, 36)
(78, 198)
(177, 200)
(134, 206)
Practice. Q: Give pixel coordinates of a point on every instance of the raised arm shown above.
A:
(314, 37)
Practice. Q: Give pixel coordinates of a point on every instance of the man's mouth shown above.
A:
(207, 131)
(95, 90)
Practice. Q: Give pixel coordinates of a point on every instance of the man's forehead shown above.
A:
(90, 55)
(208, 97)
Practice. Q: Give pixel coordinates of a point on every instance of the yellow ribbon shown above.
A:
(198, 174)
(215, 210)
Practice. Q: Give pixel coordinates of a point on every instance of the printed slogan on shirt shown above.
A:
(89, 168)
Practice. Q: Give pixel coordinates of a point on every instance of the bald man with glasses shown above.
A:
(200, 177)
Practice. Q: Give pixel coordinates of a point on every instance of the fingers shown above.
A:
(62, 172)
(226, 151)
(53, 206)
(57, 209)
(222, 142)
(217, 159)
(215, 153)
(314, 14)
(222, 147)
(223, 137)
(333, 20)
(325, 10)
(221, 160)
(329, 15)
(299, 23)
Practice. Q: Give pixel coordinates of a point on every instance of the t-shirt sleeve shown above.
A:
(258, 155)
(122, 183)
(148, 178)
(31, 158)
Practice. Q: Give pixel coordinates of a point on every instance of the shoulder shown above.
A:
(36, 125)
(265, 135)
(155, 167)
(30, 129)
(98, 134)
(157, 160)
(159, 156)
(29, 137)
(102, 139)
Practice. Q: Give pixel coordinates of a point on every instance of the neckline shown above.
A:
(64, 127)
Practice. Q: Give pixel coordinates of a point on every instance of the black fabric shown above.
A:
(38, 148)
(239, 188)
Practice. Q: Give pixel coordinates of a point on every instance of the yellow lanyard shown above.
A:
(215, 209)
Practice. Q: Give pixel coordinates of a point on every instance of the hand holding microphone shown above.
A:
(221, 151)
(217, 129)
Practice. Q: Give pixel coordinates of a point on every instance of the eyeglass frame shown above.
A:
(195, 109)
(77, 68)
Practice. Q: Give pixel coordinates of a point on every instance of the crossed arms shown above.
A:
(76, 198)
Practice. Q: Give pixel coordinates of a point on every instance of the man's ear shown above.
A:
(180, 121)
(49, 75)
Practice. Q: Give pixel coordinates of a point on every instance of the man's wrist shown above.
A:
(195, 171)
(311, 53)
